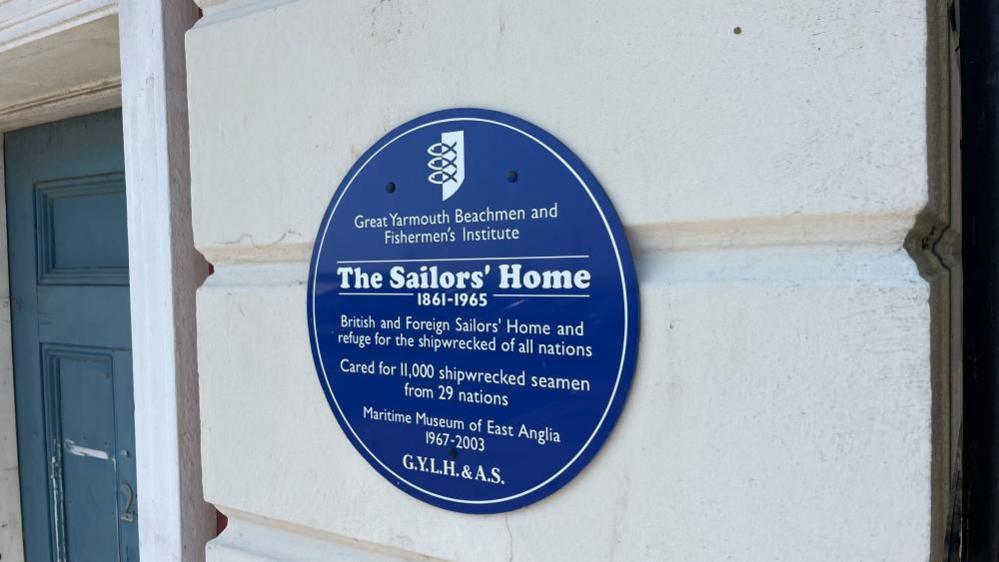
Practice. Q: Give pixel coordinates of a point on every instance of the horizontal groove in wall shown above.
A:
(259, 274)
(793, 231)
(790, 230)
(275, 540)
(862, 267)
(217, 11)
(855, 267)
(245, 251)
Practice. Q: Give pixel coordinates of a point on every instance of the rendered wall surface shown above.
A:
(11, 547)
(781, 405)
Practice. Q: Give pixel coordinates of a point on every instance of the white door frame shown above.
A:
(164, 268)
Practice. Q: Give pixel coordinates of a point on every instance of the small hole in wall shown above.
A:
(512, 176)
(737, 30)
(390, 187)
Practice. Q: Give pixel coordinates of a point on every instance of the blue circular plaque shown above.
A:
(473, 310)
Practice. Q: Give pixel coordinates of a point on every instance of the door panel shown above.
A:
(79, 390)
(72, 362)
(90, 309)
(81, 234)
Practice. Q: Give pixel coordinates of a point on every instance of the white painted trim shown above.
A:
(48, 107)
(48, 19)
(164, 271)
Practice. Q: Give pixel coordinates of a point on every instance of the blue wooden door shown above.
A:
(68, 251)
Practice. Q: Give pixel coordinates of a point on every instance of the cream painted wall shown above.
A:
(781, 409)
